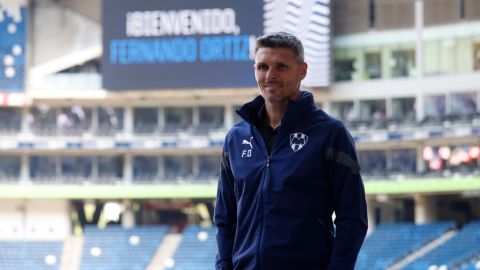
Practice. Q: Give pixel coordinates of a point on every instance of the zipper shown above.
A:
(262, 197)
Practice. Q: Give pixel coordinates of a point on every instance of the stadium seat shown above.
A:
(455, 252)
(116, 248)
(197, 249)
(391, 242)
(30, 255)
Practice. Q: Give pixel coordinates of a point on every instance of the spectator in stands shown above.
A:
(285, 169)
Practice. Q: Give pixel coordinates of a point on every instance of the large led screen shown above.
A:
(174, 44)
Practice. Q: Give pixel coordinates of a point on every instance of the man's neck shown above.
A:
(274, 114)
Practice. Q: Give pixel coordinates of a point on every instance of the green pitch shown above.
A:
(27, 191)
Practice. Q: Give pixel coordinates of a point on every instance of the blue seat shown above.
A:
(116, 248)
(456, 252)
(391, 242)
(30, 255)
(197, 249)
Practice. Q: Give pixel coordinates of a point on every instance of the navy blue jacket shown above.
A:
(274, 212)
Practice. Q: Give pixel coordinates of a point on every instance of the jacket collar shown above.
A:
(296, 110)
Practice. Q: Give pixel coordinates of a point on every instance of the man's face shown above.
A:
(278, 73)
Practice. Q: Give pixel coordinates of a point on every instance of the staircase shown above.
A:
(165, 251)
(424, 250)
(71, 253)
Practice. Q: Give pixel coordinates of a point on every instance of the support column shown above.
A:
(419, 38)
(196, 117)
(228, 118)
(95, 120)
(196, 166)
(161, 119)
(420, 162)
(420, 106)
(24, 168)
(128, 217)
(95, 172)
(389, 108)
(25, 122)
(371, 215)
(161, 167)
(423, 209)
(127, 168)
(128, 121)
(356, 109)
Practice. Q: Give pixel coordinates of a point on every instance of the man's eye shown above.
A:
(262, 67)
(282, 66)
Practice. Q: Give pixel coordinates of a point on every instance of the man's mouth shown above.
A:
(272, 84)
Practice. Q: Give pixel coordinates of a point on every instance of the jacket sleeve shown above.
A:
(225, 215)
(348, 200)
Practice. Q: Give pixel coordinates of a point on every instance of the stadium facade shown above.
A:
(115, 111)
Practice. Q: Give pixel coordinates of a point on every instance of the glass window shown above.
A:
(404, 161)
(10, 119)
(110, 120)
(373, 112)
(208, 167)
(145, 120)
(372, 109)
(373, 65)
(211, 117)
(448, 56)
(344, 69)
(435, 106)
(9, 167)
(110, 167)
(43, 119)
(402, 63)
(403, 109)
(432, 58)
(373, 162)
(178, 167)
(76, 166)
(178, 118)
(74, 119)
(464, 103)
(145, 167)
(343, 110)
(42, 167)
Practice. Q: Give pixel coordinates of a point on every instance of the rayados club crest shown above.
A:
(297, 141)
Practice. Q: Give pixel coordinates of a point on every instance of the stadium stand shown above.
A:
(474, 265)
(115, 248)
(391, 242)
(30, 255)
(12, 48)
(454, 253)
(197, 249)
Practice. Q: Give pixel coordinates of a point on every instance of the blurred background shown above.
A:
(113, 114)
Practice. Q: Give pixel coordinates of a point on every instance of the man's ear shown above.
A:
(302, 70)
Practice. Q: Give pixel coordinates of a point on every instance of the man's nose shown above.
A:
(271, 74)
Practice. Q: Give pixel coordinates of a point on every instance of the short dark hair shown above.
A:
(281, 40)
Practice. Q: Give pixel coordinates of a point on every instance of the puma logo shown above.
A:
(247, 152)
(248, 142)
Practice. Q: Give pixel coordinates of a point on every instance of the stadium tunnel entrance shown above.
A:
(175, 213)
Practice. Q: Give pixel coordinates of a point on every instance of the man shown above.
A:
(285, 169)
